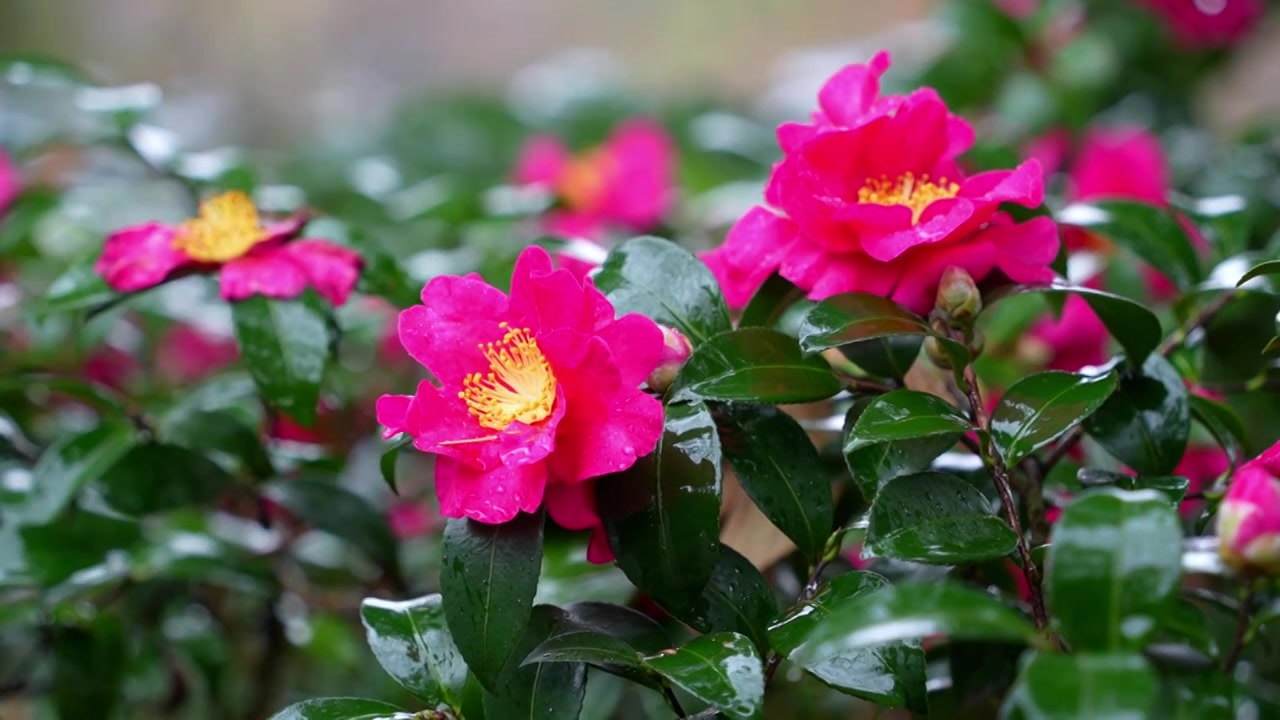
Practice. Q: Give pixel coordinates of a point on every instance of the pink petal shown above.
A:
(271, 272)
(1023, 185)
(598, 550)
(640, 182)
(457, 314)
(754, 248)
(1121, 162)
(953, 217)
(494, 496)
(393, 414)
(1025, 251)
(1078, 338)
(572, 506)
(330, 268)
(10, 181)
(922, 270)
(851, 92)
(139, 257)
(545, 298)
(636, 345)
(541, 161)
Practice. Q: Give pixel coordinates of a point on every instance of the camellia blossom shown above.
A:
(1074, 340)
(254, 258)
(1249, 517)
(625, 183)
(10, 181)
(186, 354)
(1207, 23)
(869, 197)
(538, 395)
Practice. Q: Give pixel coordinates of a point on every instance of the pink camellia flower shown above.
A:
(410, 520)
(1249, 517)
(254, 259)
(539, 394)
(1074, 340)
(186, 354)
(869, 197)
(625, 183)
(1201, 465)
(1207, 23)
(10, 181)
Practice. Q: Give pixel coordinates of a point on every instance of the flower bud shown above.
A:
(675, 351)
(958, 300)
(1249, 517)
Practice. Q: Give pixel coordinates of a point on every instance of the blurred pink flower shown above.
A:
(254, 259)
(626, 183)
(1249, 517)
(186, 354)
(1076, 339)
(409, 520)
(111, 366)
(869, 198)
(10, 181)
(539, 394)
(1207, 23)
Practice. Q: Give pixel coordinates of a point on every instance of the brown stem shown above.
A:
(806, 594)
(672, 701)
(1242, 626)
(1000, 476)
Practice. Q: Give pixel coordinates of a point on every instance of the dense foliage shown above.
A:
(953, 395)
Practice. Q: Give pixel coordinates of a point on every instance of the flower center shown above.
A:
(226, 228)
(518, 387)
(584, 180)
(915, 193)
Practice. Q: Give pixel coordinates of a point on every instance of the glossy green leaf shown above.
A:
(541, 690)
(155, 477)
(1222, 422)
(905, 415)
(80, 538)
(285, 346)
(1146, 422)
(1270, 267)
(611, 637)
(937, 518)
(1152, 233)
(1053, 686)
(78, 288)
(886, 357)
(340, 709)
(721, 669)
(488, 577)
(1041, 408)
(663, 281)
(387, 463)
(338, 511)
(753, 365)
(736, 599)
(891, 674)
(1134, 326)
(1114, 564)
(412, 643)
(780, 470)
(105, 400)
(911, 611)
(382, 276)
(770, 302)
(68, 464)
(663, 514)
(872, 464)
(853, 317)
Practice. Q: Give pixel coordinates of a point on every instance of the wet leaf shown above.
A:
(1152, 233)
(1270, 267)
(412, 644)
(770, 302)
(874, 463)
(754, 365)
(935, 518)
(488, 577)
(780, 470)
(1135, 327)
(1114, 565)
(663, 514)
(155, 477)
(854, 317)
(1222, 422)
(541, 690)
(1083, 685)
(337, 511)
(339, 709)
(387, 463)
(285, 346)
(721, 669)
(1039, 409)
(67, 465)
(736, 599)
(659, 279)
(891, 674)
(1146, 422)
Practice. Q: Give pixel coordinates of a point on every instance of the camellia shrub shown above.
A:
(954, 395)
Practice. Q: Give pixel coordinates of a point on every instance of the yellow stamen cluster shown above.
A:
(915, 193)
(518, 387)
(225, 229)
(585, 179)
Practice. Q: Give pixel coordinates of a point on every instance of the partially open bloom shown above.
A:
(254, 258)
(1207, 23)
(869, 197)
(1249, 517)
(10, 181)
(538, 394)
(626, 183)
(676, 350)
